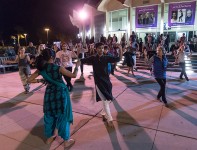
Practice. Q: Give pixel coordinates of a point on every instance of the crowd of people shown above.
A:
(54, 62)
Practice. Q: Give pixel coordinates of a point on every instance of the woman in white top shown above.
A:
(64, 59)
(181, 60)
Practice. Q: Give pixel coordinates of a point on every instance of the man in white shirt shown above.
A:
(81, 54)
(64, 59)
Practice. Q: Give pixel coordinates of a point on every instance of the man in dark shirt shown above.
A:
(102, 80)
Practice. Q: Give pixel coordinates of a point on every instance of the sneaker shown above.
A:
(104, 118)
(166, 105)
(187, 79)
(82, 78)
(110, 124)
(158, 99)
(69, 143)
(26, 91)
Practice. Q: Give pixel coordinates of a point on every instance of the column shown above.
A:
(162, 17)
(107, 24)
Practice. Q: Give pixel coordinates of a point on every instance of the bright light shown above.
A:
(46, 29)
(88, 33)
(104, 30)
(83, 15)
(25, 34)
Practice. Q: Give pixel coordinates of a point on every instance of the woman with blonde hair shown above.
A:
(23, 61)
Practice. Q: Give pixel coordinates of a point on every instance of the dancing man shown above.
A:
(102, 80)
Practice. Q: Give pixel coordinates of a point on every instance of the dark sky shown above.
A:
(32, 16)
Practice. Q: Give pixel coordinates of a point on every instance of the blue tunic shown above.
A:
(159, 67)
(57, 97)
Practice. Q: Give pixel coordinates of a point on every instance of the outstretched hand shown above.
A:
(43, 81)
(78, 63)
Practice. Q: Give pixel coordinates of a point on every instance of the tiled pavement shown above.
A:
(141, 122)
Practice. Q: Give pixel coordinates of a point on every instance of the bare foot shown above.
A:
(69, 143)
(50, 140)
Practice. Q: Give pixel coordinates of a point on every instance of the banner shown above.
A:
(181, 14)
(146, 16)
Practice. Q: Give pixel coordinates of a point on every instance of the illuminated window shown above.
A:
(118, 20)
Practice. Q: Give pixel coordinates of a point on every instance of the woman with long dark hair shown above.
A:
(57, 106)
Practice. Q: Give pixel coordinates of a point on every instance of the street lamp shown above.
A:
(47, 30)
(83, 16)
(25, 34)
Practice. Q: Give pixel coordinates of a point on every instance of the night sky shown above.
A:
(32, 16)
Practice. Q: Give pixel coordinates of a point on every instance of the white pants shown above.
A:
(106, 110)
(134, 59)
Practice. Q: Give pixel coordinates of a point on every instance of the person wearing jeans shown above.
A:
(159, 63)
(181, 60)
(162, 91)
(64, 59)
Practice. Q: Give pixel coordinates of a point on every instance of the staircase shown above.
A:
(191, 64)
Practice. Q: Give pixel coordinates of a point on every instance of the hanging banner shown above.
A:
(146, 16)
(181, 13)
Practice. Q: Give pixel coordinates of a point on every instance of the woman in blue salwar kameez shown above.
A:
(57, 105)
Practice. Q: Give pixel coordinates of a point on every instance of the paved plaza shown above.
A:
(141, 122)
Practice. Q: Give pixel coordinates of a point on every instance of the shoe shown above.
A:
(26, 91)
(158, 99)
(166, 105)
(187, 79)
(110, 124)
(50, 140)
(69, 143)
(181, 78)
(104, 118)
(82, 78)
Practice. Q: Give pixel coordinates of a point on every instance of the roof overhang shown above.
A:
(110, 5)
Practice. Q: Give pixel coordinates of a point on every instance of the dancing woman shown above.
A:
(57, 106)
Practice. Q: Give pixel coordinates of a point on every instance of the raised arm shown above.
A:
(73, 54)
(12, 61)
(70, 74)
(32, 78)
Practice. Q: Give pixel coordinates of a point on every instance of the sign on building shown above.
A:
(181, 14)
(146, 16)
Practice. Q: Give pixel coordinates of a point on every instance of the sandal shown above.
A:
(69, 143)
(50, 140)
(110, 124)
(104, 118)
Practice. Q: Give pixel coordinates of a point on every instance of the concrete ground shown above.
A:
(141, 122)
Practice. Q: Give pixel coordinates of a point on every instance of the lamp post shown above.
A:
(83, 16)
(25, 34)
(47, 30)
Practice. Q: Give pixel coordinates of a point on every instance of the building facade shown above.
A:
(173, 17)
